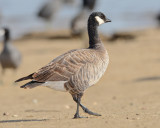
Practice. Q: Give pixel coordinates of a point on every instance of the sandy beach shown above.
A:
(127, 96)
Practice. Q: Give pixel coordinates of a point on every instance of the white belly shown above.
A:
(57, 85)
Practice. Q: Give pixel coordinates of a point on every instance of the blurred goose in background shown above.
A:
(78, 24)
(50, 8)
(75, 70)
(10, 57)
(158, 18)
(90, 4)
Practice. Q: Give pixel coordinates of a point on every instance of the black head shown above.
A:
(90, 4)
(98, 18)
(5, 33)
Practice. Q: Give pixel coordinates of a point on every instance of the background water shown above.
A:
(20, 15)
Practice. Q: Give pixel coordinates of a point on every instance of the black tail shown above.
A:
(31, 84)
(25, 78)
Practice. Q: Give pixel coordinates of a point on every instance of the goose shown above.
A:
(89, 3)
(10, 57)
(49, 9)
(78, 26)
(158, 19)
(75, 70)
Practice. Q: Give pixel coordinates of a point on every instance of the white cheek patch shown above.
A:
(2, 32)
(99, 20)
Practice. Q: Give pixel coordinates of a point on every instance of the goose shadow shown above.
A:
(58, 37)
(158, 60)
(22, 120)
(153, 78)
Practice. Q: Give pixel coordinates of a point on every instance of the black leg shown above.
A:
(78, 100)
(77, 111)
(86, 110)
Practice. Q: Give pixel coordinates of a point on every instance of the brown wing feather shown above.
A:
(64, 66)
(25, 78)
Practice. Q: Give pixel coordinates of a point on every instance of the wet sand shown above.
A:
(127, 96)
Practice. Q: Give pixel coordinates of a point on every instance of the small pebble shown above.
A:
(143, 108)
(5, 114)
(35, 101)
(114, 98)
(15, 116)
(67, 107)
(94, 103)
(131, 104)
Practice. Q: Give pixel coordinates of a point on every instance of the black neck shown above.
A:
(6, 38)
(94, 39)
(6, 41)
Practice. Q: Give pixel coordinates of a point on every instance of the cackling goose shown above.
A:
(75, 70)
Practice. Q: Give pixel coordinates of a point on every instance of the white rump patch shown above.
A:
(2, 32)
(57, 85)
(99, 20)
